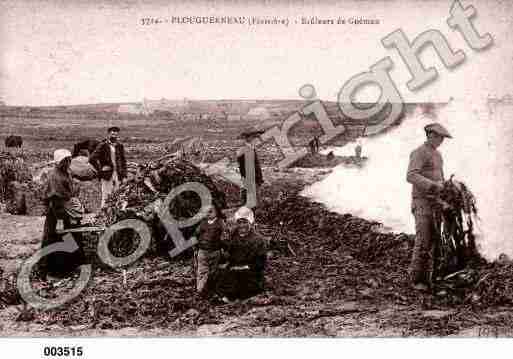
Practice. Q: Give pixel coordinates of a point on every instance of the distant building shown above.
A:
(163, 104)
(233, 117)
(258, 113)
(135, 109)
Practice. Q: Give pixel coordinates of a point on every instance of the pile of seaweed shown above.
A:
(152, 186)
(317, 257)
(15, 177)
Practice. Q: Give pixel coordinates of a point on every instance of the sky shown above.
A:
(70, 52)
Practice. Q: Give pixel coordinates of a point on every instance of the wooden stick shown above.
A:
(81, 230)
(291, 250)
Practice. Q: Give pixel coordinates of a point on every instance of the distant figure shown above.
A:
(14, 141)
(241, 159)
(330, 156)
(88, 145)
(109, 160)
(314, 144)
(358, 151)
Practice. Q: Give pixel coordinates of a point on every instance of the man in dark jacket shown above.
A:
(109, 160)
(249, 151)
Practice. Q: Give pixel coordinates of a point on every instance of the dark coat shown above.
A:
(251, 251)
(248, 250)
(241, 159)
(101, 157)
(89, 145)
(210, 235)
(59, 189)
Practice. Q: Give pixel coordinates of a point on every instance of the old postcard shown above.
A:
(277, 169)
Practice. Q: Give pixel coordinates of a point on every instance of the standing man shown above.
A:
(425, 173)
(249, 151)
(314, 144)
(358, 151)
(109, 160)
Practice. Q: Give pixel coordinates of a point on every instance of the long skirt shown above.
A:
(240, 284)
(58, 264)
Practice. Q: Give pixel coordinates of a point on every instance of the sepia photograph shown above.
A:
(254, 169)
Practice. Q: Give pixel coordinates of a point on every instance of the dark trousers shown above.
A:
(425, 250)
(244, 195)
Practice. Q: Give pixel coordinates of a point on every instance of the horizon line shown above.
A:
(199, 100)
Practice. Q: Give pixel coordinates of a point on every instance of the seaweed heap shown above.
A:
(142, 196)
(300, 215)
(8, 290)
(457, 247)
(15, 182)
(494, 286)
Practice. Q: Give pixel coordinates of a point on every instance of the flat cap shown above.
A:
(437, 128)
(113, 128)
(250, 133)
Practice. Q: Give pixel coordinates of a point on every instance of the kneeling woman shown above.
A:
(246, 251)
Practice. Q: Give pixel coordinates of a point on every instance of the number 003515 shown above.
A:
(62, 351)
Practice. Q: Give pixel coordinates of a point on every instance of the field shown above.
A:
(329, 275)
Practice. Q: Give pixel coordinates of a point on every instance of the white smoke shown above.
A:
(480, 154)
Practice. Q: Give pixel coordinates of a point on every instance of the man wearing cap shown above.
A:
(425, 173)
(109, 160)
(249, 151)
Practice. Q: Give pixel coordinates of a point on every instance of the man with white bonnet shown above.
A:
(61, 204)
(246, 251)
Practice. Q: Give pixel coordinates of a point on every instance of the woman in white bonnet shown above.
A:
(246, 251)
(61, 205)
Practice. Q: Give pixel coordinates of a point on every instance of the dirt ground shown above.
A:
(327, 277)
(306, 296)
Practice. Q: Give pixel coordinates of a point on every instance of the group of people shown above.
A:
(230, 259)
(239, 246)
(63, 206)
(230, 255)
